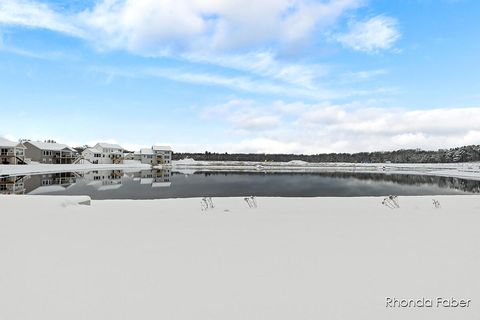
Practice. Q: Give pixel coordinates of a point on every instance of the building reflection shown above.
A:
(50, 182)
(13, 185)
(104, 179)
(154, 178)
(100, 180)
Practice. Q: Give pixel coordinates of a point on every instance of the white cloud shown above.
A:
(241, 35)
(363, 75)
(243, 116)
(152, 27)
(316, 128)
(372, 35)
(37, 15)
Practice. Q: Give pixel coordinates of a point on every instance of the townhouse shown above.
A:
(11, 152)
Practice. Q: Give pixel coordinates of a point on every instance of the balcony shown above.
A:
(64, 156)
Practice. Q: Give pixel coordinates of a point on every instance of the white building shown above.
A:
(95, 156)
(146, 156)
(163, 154)
(104, 153)
(11, 152)
(155, 156)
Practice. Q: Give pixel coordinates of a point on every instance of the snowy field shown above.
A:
(290, 258)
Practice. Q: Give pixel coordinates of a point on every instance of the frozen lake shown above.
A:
(161, 184)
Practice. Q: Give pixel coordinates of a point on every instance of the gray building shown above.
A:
(50, 152)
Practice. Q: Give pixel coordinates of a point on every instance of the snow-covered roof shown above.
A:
(50, 146)
(7, 143)
(108, 145)
(162, 148)
(92, 150)
(146, 151)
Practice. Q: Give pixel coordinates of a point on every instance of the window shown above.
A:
(4, 151)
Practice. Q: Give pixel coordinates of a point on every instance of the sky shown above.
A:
(273, 76)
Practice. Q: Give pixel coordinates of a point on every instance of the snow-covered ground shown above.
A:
(456, 170)
(291, 258)
(53, 168)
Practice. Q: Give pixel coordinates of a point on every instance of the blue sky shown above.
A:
(301, 76)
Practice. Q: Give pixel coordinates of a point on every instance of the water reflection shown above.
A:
(42, 183)
(12, 185)
(154, 178)
(156, 184)
(104, 180)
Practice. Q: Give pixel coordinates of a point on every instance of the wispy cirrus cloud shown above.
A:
(31, 14)
(371, 35)
(49, 55)
(265, 64)
(241, 83)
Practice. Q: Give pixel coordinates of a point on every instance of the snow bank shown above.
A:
(455, 170)
(298, 162)
(185, 161)
(35, 203)
(291, 258)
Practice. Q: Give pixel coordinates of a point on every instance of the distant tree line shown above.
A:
(460, 154)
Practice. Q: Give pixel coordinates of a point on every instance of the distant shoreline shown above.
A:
(469, 171)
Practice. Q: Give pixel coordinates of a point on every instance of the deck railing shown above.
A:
(7, 154)
(64, 156)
